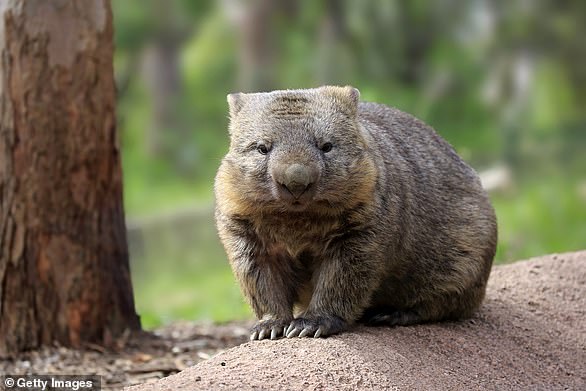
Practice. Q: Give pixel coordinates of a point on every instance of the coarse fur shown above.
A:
(334, 211)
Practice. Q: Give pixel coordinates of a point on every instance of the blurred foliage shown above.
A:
(503, 81)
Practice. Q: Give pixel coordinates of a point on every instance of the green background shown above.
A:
(503, 81)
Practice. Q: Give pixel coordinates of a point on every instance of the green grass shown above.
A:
(194, 295)
(181, 272)
(541, 216)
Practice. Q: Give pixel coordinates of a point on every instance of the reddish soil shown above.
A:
(530, 334)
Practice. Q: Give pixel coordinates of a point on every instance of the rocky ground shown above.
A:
(529, 335)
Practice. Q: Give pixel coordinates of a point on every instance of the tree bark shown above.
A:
(64, 273)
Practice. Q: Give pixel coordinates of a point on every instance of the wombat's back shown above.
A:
(441, 216)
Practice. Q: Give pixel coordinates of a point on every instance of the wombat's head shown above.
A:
(296, 150)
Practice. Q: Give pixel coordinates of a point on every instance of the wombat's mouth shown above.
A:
(297, 205)
(293, 198)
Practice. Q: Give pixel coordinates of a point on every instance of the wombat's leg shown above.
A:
(268, 286)
(345, 282)
(390, 317)
(266, 280)
(440, 306)
(271, 298)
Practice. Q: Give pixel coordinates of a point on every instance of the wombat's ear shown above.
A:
(235, 103)
(347, 97)
(353, 95)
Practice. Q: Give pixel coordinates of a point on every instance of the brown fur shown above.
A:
(390, 227)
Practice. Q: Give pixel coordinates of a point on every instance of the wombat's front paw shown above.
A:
(319, 326)
(265, 328)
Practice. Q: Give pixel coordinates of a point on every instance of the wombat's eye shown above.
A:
(262, 149)
(327, 147)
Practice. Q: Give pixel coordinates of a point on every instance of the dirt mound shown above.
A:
(530, 334)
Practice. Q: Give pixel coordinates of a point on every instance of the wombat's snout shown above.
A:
(295, 181)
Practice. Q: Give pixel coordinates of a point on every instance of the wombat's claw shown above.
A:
(306, 331)
(276, 332)
(314, 327)
(288, 330)
(272, 329)
(292, 331)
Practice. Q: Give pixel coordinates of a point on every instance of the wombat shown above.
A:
(334, 211)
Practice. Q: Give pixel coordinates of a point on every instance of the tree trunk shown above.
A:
(331, 60)
(161, 68)
(64, 273)
(255, 50)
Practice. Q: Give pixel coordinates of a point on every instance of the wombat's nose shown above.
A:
(297, 179)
